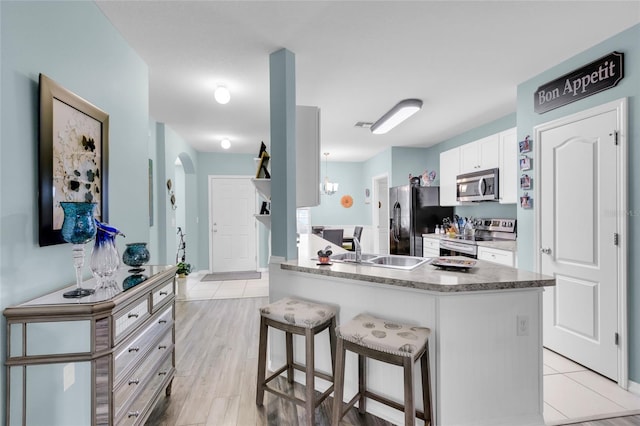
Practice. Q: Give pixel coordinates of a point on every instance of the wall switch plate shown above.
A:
(522, 325)
(69, 376)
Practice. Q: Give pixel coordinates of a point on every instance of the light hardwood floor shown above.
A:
(216, 362)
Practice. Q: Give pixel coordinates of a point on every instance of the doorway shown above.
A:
(232, 224)
(380, 214)
(580, 224)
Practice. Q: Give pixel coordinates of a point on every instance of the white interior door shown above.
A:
(578, 192)
(381, 214)
(232, 205)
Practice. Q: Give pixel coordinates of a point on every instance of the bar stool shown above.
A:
(389, 342)
(295, 316)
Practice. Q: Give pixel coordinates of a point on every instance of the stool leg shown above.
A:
(262, 361)
(409, 406)
(310, 377)
(362, 383)
(289, 349)
(338, 381)
(332, 342)
(426, 387)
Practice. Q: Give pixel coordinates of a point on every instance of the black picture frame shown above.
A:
(73, 165)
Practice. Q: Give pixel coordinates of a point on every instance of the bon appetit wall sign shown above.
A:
(599, 75)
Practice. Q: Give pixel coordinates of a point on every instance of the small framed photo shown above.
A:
(525, 163)
(526, 202)
(525, 182)
(525, 145)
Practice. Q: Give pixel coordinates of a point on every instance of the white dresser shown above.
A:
(104, 359)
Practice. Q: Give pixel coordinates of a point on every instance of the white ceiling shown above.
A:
(355, 60)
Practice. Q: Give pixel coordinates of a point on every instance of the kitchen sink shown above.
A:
(384, 261)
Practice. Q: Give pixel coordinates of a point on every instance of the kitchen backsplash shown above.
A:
(488, 209)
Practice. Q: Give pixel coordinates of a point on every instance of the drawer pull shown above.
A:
(133, 316)
(134, 349)
(162, 347)
(162, 322)
(162, 373)
(163, 293)
(134, 382)
(133, 414)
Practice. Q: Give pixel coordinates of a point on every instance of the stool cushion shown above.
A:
(385, 336)
(298, 312)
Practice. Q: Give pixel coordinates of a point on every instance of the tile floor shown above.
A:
(571, 392)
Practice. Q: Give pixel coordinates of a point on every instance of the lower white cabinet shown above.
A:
(430, 247)
(503, 257)
(104, 359)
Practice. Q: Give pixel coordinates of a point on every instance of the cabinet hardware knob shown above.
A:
(162, 322)
(162, 347)
(162, 373)
(133, 315)
(134, 349)
(163, 293)
(133, 414)
(134, 382)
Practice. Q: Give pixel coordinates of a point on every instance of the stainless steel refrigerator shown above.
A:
(415, 210)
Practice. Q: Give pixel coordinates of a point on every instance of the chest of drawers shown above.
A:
(104, 359)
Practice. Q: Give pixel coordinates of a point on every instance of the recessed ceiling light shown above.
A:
(225, 143)
(222, 95)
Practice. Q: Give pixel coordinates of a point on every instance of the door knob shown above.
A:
(545, 250)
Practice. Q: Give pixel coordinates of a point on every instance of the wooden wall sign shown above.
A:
(599, 75)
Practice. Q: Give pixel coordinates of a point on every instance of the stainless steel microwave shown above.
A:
(478, 186)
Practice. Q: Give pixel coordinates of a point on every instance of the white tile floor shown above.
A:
(571, 392)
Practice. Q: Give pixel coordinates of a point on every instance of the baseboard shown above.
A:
(262, 270)
(634, 388)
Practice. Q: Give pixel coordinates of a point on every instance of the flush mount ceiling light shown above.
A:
(225, 143)
(327, 186)
(396, 115)
(222, 95)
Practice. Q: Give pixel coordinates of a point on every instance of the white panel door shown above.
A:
(232, 205)
(578, 198)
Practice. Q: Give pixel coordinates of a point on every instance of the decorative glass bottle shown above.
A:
(78, 228)
(105, 258)
(136, 255)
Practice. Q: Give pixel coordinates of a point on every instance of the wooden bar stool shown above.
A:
(390, 342)
(295, 316)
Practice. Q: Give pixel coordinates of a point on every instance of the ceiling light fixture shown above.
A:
(225, 143)
(396, 115)
(328, 187)
(222, 95)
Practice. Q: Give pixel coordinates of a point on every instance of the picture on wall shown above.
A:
(73, 157)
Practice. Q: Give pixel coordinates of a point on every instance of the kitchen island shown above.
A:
(486, 346)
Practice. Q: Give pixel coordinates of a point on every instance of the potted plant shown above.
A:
(183, 269)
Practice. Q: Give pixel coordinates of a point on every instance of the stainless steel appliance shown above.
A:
(484, 230)
(414, 210)
(478, 186)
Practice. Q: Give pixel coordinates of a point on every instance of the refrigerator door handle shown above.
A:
(396, 222)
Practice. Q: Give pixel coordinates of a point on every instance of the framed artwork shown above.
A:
(72, 156)
(525, 145)
(150, 192)
(525, 201)
(525, 182)
(525, 163)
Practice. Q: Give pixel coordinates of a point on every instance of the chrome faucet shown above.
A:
(358, 248)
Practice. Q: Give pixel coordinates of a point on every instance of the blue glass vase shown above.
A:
(78, 228)
(136, 255)
(105, 258)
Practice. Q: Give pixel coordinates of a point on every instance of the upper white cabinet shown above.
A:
(449, 170)
(509, 166)
(480, 155)
(307, 156)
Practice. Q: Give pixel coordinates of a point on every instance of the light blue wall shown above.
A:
(350, 181)
(75, 45)
(405, 161)
(627, 42)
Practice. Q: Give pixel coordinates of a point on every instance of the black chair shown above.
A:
(347, 242)
(333, 235)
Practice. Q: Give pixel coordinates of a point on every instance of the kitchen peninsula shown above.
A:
(486, 347)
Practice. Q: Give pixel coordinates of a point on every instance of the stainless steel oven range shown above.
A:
(484, 230)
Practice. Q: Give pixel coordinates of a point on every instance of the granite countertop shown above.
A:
(499, 244)
(484, 276)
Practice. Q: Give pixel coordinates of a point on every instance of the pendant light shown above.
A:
(328, 187)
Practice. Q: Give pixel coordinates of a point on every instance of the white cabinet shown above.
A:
(480, 155)
(449, 170)
(430, 247)
(307, 156)
(503, 257)
(508, 166)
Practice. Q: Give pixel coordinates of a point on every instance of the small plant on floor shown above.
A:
(183, 269)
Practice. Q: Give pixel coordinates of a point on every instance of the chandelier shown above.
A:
(328, 187)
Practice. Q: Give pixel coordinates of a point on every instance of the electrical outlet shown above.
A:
(68, 376)
(522, 325)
